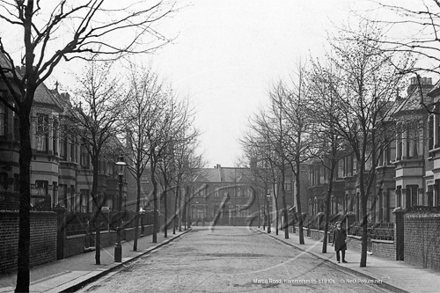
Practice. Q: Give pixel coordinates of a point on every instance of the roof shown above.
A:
(412, 102)
(222, 174)
(42, 95)
(435, 90)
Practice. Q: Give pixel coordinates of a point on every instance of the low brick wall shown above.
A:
(380, 248)
(74, 245)
(422, 238)
(43, 241)
(384, 248)
(317, 234)
(354, 243)
(77, 244)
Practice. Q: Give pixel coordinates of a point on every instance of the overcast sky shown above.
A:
(229, 52)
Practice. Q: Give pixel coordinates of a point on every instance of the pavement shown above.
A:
(72, 273)
(396, 276)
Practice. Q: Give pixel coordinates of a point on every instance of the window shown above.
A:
(4, 181)
(348, 166)
(412, 140)
(391, 152)
(84, 200)
(55, 130)
(73, 148)
(436, 193)
(288, 184)
(399, 146)
(42, 132)
(62, 195)
(16, 126)
(430, 196)
(431, 132)
(63, 148)
(318, 174)
(353, 165)
(242, 211)
(390, 204)
(16, 182)
(437, 126)
(399, 196)
(40, 195)
(411, 195)
(85, 158)
(3, 119)
(72, 198)
(41, 187)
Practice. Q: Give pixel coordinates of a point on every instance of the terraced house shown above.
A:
(61, 173)
(405, 202)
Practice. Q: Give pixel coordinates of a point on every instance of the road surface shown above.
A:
(230, 259)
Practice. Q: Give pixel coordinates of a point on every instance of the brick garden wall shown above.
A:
(76, 244)
(317, 234)
(43, 239)
(9, 200)
(422, 238)
(384, 248)
(354, 243)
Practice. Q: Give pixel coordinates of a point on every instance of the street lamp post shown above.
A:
(120, 164)
(268, 213)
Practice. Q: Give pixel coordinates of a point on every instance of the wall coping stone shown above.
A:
(14, 212)
(422, 215)
(382, 241)
(75, 236)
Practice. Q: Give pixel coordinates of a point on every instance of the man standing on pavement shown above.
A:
(339, 237)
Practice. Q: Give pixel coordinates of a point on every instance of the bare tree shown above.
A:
(64, 30)
(182, 143)
(412, 30)
(263, 140)
(95, 118)
(142, 111)
(175, 118)
(370, 81)
(187, 165)
(328, 146)
(297, 142)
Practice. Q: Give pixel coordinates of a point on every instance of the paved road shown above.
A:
(230, 259)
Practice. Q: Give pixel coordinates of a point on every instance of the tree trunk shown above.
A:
(298, 201)
(363, 262)
(154, 182)
(138, 207)
(96, 207)
(176, 218)
(165, 206)
(277, 214)
(285, 214)
(180, 210)
(327, 208)
(187, 205)
(25, 157)
(24, 234)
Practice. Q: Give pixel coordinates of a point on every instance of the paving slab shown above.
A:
(72, 273)
(398, 275)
